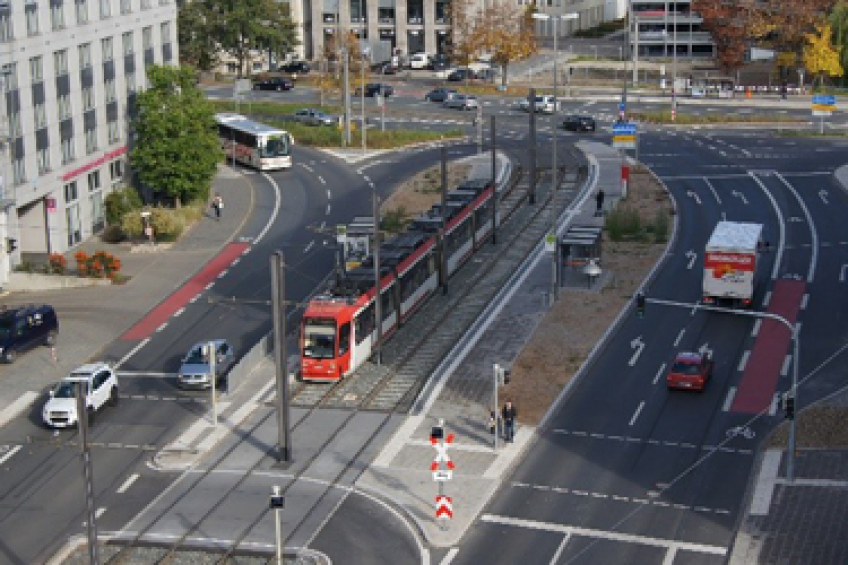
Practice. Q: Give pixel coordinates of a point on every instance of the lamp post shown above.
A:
(674, 65)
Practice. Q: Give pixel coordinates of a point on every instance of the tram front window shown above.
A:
(319, 338)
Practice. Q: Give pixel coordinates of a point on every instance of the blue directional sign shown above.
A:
(624, 135)
(824, 100)
(624, 129)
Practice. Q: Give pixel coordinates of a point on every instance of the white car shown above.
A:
(100, 385)
(419, 61)
(544, 103)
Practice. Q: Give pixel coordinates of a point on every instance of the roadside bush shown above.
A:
(58, 263)
(661, 226)
(132, 225)
(394, 221)
(624, 224)
(113, 233)
(168, 224)
(118, 203)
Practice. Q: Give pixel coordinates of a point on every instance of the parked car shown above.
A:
(579, 123)
(462, 102)
(439, 94)
(458, 75)
(297, 67)
(194, 369)
(439, 63)
(25, 327)
(274, 83)
(100, 386)
(385, 68)
(545, 104)
(313, 117)
(375, 88)
(419, 61)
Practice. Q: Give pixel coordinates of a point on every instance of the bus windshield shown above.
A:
(275, 146)
(319, 338)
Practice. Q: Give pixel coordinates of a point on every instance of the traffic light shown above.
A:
(640, 305)
(789, 406)
(11, 244)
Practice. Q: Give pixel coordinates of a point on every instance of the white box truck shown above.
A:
(730, 264)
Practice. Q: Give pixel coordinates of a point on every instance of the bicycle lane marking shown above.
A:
(192, 288)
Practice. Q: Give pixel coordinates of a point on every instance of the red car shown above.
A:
(690, 371)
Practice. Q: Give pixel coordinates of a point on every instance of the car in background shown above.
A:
(690, 371)
(419, 61)
(439, 63)
(296, 67)
(313, 117)
(385, 68)
(458, 75)
(439, 94)
(462, 102)
(579, 123)
(195, 372)
(25, 327)
(274, 83)
(544, 104)
(99, 385)
(375, 88)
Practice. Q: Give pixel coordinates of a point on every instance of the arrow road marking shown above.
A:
(692, 194)
(638, 345)
(705, 349)
(738, 194)
(795, 219)
(842, 273)
(823, 196)
(691, 255)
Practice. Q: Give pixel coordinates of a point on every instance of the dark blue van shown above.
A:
(25, 327)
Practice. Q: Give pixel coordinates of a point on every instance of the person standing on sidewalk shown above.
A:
(599, 200)
(218, 205)
(509, 413)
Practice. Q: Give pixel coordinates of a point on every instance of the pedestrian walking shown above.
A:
(218, 205)
(509, 413)
(599, 200)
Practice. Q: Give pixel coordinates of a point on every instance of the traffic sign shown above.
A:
(550, 242)
(442, 475)
(442, 454)
(823, 104)
(444, 507)
(626, 128)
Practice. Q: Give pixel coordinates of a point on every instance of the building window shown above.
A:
(64, 104)
(42, 158)
(126, 6)
(6, 26)
(114, 132)
(147, 38)
(71, 192)
(36, 69)
(60, 62)
(116, 171)
(40, 115)
(145, 4)
(105, 9)
(94, 181)
(97, 210)
(130, 83)
(18, 171)
(10, 80)
(57, 15)
(67, 151)
(107, 46)
(85, 55)
(31, 12)
(87, 98)
(109, 88)
(82, 11)
(73, 218)
(90, 141)
(165, 31)
(127, 42)
(14, 124)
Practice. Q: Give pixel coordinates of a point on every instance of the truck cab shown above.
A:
(690, 371)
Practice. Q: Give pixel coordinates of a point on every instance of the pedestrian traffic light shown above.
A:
(11, 244)
(640, 305)
(789, 406)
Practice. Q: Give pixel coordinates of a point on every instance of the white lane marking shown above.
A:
(208, 286)
(328, 210)
(764, 489)
(180, 311)
(743, 361)
(602, 534)
(766, 298)
(128, 483)
(308, 247)
(555, 559)
(728, 401)
(17, 407)
(449, 556)
(775, 402)
(842, 273)
(638, 345)
(162, 326)
(712, 189)
(691, 255)
(636, 414)
(307, 167)
(9, 454)
(322, 181)
(132, 352)
(804, 300)
(235, 262)
(659, 374)
(756, 329)
(781, 225)
(787, 362)
(100, 512)
(277, 204)
(814, 234)
(194, 299)
(679, 337)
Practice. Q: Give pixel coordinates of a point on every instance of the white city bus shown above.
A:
(253, 143)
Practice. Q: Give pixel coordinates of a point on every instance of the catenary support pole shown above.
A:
(278, 281)
(88, 473)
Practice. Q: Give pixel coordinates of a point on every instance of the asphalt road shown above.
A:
(628, 472)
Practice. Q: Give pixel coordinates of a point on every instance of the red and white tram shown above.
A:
(339, 330)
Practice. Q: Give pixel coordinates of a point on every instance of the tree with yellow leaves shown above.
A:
(506, 31)
(821, 58)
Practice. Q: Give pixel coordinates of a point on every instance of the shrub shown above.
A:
(394, 221)
(624, 223)
(100, 264)
(661, 226)
(58, 263)
(132, 225)
(120, 202)
(113, 233)
(167, 224)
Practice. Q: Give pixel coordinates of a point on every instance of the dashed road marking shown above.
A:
(649, 441)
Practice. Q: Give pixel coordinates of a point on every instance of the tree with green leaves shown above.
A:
(839, 23)
(177, 149)
(195, 25)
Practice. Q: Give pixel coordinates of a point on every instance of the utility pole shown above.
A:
(346, 91)
(88, 472)
(531, 199)
(378, 303)
(278, 296)
(495, 194)
(444, 269)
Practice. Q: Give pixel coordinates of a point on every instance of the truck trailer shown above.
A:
(730, 264)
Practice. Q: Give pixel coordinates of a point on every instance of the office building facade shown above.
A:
(70, 69)
(669, 29)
